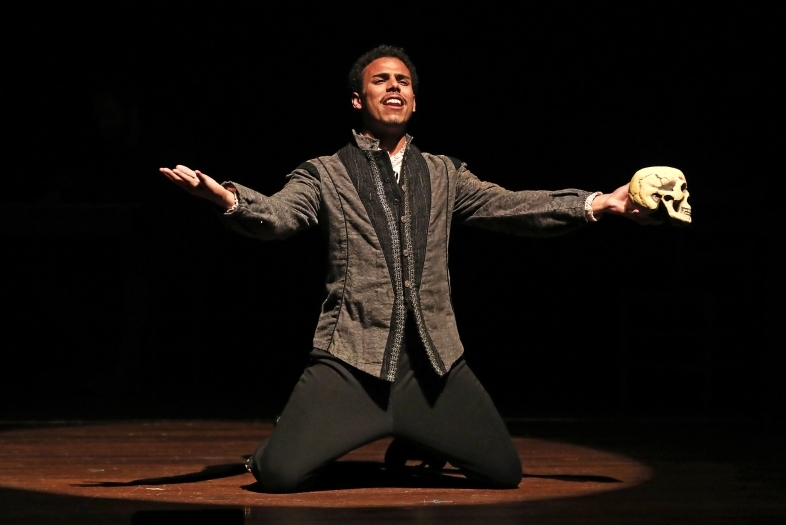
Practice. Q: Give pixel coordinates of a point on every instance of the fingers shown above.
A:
(185, 170)
(203, 177)
(168, 173)
(175, 177)
(180, 173)
(186, 174)
(183, 176)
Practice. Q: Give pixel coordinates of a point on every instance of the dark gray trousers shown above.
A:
(335, 409)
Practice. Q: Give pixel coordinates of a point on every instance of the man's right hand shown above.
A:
(201, 185)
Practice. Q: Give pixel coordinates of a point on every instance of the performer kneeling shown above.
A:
(387, 358)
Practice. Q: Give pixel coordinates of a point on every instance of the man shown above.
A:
(387, 358)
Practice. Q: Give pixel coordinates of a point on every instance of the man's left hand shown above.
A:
(619, 203)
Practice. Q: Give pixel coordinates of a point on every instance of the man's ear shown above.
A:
(414, 103)
(357, 102)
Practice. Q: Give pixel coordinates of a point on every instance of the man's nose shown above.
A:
(393, 85)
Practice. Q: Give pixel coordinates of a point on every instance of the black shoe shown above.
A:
(400, 451)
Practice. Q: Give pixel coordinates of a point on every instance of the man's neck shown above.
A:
(390, 142)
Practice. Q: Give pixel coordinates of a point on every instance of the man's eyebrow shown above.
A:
(399, 76)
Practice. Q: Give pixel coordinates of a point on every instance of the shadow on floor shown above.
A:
(342, 475)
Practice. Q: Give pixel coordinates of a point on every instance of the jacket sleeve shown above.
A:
(532, 213)
(294, 208)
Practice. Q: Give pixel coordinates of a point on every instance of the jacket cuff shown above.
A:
(588, 206)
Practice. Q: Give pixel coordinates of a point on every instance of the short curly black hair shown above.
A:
(355, 80)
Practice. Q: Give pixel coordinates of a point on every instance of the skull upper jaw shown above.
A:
(679, 210)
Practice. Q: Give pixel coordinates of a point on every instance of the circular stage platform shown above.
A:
(201, 463)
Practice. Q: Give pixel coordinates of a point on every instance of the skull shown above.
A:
(664, 187)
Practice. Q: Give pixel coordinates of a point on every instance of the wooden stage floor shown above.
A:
(574, 472)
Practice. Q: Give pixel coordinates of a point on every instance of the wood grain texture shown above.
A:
(182, 471)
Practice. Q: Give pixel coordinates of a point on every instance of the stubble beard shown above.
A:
(388, 125)
(393, 121)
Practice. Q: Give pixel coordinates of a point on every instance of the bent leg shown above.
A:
(455, 417)
(332, 410)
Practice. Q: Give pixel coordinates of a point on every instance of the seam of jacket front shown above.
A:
(447, 235)
(401, 312)
(414, 293)
(346, 253)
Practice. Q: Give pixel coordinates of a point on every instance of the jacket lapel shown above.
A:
(419, 190)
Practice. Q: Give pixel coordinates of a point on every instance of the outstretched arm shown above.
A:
(619, 203)
(251, 213)
(538, 213)
(201, 185)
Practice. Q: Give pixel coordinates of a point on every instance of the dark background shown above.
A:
(124, 297)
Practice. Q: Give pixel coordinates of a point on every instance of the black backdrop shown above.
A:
(123, 297)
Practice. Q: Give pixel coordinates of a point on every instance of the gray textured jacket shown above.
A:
(388, 242)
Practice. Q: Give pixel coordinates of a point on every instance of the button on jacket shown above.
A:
(388, 242)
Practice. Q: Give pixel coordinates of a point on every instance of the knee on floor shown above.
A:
(504, 475)
(511, 476)
(278, 476)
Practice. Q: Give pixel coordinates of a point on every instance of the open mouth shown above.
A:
(394, 102)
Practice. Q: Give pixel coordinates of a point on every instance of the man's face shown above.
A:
(387, 98)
